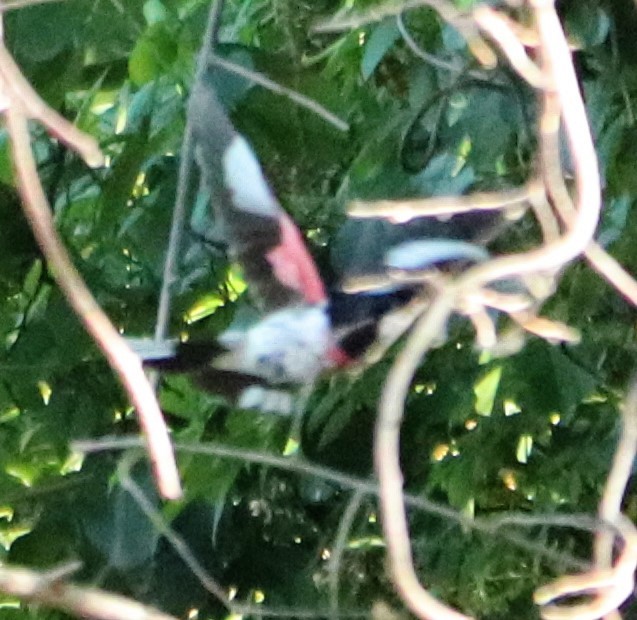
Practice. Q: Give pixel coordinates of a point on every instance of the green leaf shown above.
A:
(154, 54)
(380, 41)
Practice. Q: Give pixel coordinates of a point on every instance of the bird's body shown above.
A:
(304, 330)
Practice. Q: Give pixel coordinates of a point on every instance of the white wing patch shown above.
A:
(288, 346)
(266, 401)
(149, 349)
(424, 253)
(244, 178)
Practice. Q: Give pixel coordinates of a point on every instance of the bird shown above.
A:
(305, 328)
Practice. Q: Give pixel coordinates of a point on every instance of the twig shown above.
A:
(615, 487)
(596, 256)
(185, 170)
(205, 579)
(338, 548)
(552, 256)
(446, 10)
(611, 585)
(125, 363)
(498, 28)
(400, 211)
(80, 601)
(551, 161)
(10, 5)
(430, 59)
(175, 541)
(18, 88)
(560, 75)
(487, 525)
(602, 262)
(275, 87)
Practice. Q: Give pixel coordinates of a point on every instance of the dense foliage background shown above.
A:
(532, 433)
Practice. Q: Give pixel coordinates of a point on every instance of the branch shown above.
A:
(400, 211)
(80, 601)
(487, 525)
(430, 59)
(275, 87)
(185, 171)
(445, 9)
(499, 29)
(606, 266)
(174, 539)
(19, 90)
(558, 74)
(10, 5)
(22, 99)
(205, 579)
(338, 548)
(387, 462)
(610, 584)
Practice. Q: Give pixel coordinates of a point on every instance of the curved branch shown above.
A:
(387, 462)
(125, 363)
(84, 602)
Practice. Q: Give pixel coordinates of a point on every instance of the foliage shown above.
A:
(533, 432)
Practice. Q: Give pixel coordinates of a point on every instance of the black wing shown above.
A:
(262, 238)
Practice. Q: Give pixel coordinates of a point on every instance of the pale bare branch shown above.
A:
(447, 11)
(22, 100)
(400, 211)
(387, 462)
(82, 601)
(499, 29)
(558, 74)
(18, 88)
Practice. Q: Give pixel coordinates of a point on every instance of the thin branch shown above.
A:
(498, 28)
(205, 579)
(175, 541)
(602, 262)
(596, 256)
(552, 256)
(487, 525)
(185, 170)
(430, 59)
(18, 89)
(10, 5)
(446, 10)
(125, 363)
(400, 211)
(551, 159)
(338, 548)
(560, 75)
(615, 487)
(262, 80)
(85, 602)
(611, 586)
